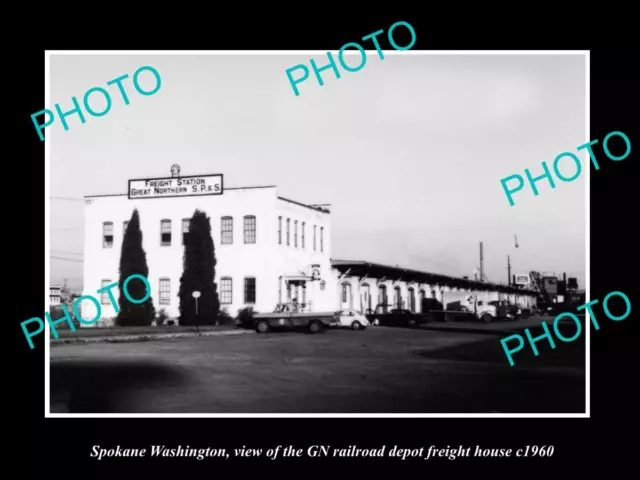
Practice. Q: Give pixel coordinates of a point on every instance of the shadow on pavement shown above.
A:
(564, 354)
(105, 387)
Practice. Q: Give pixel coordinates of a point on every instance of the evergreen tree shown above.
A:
(199, 263)
(133, 260)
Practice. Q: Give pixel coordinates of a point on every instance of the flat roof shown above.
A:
(318, 208)
(378, 270)
(226, 188)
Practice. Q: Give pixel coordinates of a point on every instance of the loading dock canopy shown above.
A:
(376, 270)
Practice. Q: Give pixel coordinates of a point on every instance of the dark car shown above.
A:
(512, 311)
(397, 317)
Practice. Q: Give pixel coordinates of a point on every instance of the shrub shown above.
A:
(244, 318)
(134, 316)
(223, 318)
(56, 312)
(162, 317)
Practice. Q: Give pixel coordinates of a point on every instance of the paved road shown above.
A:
(506, 327)
(379, 370)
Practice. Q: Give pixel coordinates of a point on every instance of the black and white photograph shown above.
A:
(277, 234)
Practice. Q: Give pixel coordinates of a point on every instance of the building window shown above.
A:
(397, 298)
(249, 229)
(303, 229)
(344, 292)
(165, 232)
(314, 237)
(185, 229)
(226, 290)
(104, 296)
(165, 291)
(295, 233)
(279, 230)
(226, 225)
(125, 225)
(322, 239)
(107, 235)
(249, 290)
(288, 230)
(412, 299)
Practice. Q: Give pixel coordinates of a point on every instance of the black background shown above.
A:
(61, 447)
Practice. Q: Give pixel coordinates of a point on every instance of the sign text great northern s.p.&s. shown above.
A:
(194, 185)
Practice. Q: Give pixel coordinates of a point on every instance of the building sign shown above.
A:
(522, 279)
(190, 186)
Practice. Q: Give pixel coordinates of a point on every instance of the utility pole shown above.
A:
(481, 264)
(509, 270)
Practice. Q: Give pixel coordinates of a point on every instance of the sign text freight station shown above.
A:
(175, 186)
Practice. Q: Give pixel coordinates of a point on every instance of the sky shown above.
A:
(409, 151)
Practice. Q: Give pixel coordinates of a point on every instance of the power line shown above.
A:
(67, 198)
(67, 259)
(66, 252)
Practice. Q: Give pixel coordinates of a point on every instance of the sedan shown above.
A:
(350, 318)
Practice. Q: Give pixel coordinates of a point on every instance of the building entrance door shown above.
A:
(345, 296)
(365, 298)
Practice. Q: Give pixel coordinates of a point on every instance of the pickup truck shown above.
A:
(285, 316)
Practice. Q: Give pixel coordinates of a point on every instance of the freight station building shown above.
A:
(269, 250)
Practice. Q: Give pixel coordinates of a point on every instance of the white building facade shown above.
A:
(268, 249)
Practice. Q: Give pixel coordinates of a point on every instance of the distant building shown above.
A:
(55, 295)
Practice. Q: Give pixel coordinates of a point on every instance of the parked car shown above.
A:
(511, 311)
(397, 317)
(284, 317)
(350, 318)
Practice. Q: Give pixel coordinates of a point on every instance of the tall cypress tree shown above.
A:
(199, 263)
(133, 260)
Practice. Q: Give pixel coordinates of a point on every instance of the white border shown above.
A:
(47, 142)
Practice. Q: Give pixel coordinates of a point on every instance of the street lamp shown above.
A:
(196, 295)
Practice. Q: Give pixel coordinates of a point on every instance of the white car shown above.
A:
(350, 318)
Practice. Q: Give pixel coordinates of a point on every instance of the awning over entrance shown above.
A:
(296, 278)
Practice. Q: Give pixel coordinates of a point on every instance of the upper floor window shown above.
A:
(303, 229)
(288, 230)
(249, 229)
(165, 232)
(315, 228)
(249, 290)
(322, 239)
(226, 236)
(185, 229)
(279, 230)
(165, 291)
(104, 296)
(107, 234)
(226, 290)
(295, 233)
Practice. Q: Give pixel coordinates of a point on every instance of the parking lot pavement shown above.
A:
(379, 370)
(506, 327)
